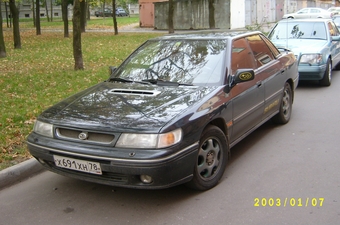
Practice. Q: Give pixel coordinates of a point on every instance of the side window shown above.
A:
(241, 56)
(332, 29)
(303, 11)
(261, 51)
(272, 47)
(315, 11)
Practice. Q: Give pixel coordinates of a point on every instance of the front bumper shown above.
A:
(307, 72)
(167, 167)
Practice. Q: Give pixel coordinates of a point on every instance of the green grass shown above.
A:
(41, 74)
(94, 22)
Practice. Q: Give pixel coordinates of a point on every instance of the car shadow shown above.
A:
(248, 142)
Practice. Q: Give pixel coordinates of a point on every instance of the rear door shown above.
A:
(270, 70)
(315, 13)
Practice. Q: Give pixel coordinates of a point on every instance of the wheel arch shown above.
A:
(220, 123)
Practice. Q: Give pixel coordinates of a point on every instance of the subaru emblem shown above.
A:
(83, 136)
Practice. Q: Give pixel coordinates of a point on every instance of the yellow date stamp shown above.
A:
(288, 202)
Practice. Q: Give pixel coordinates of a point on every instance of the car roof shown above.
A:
(208, 34)
(312, 8)
(304, 20)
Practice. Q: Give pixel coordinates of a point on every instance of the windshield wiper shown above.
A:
(127, 80)
(165, 83)
(120, 80)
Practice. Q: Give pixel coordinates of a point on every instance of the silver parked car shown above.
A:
(316, 44)
(311, 12)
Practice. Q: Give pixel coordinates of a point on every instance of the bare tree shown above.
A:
(211, 14)
(64, 13)
(82, 15)
(2, 42)
(15, 16)
(46, 9)
(77, 51)
(171, 17)
(114, 17)
(51, 10)
(10, 21)
(37, 17)
(33, 12)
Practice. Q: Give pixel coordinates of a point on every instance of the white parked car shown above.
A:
(334, 10)
(309, 13)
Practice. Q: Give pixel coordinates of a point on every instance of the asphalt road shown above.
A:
(278, 175)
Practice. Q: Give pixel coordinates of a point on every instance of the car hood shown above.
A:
(299, 46)
(122, 106)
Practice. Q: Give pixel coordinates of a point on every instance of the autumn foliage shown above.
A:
(41, 74)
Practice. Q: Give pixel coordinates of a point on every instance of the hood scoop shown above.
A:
(134, 92)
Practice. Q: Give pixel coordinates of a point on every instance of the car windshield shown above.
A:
(191, 62)
(299, 30)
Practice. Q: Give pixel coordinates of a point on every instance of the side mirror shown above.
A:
(112, 69)
(242, 75)
(335, 38)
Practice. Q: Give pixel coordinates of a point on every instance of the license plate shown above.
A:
(77, 164)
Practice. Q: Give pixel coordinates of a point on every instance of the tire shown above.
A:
(286, 104)
(327, 77)
(211, 160)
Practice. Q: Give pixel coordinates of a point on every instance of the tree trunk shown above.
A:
(211, 14)
(10, 20)
(37, 17)
(2, 42)
(82, 15)
(114, 17)
(64, 12)
(77, 51)
(33, 12)
(88, 14)
(51, 10)
(46, 9)
(15, 16)
(171, 17)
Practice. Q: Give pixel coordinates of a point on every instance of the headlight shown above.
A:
(44, 129)
(311, 59)
(129, 140)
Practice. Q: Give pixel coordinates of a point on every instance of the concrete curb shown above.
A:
(19, 172)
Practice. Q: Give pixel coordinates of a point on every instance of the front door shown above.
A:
(248, 97)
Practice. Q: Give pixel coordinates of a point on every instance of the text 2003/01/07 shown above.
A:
(293, 202)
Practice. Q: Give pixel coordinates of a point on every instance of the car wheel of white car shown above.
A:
(286, 104)
(211, 160)
(327, 77)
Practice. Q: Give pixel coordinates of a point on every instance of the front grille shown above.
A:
(86, 136)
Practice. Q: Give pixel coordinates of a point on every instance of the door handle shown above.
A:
(259, 83)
